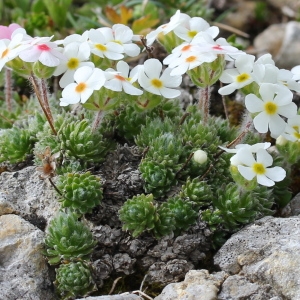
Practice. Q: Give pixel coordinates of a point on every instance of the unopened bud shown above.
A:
(200, 156)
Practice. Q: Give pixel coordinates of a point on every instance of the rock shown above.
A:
(23, 269)
(283, 42)
(125, 296)
(266, 253)
(239, 288)
(293, 208)
(197, 285)
(25, 194)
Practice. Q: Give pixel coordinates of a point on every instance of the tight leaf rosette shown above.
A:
(68, 239)
(81, 191)
(74, 279)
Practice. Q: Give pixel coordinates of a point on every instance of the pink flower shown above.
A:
(6, 31)
(44, 51)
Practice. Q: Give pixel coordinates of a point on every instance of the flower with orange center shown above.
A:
(121, 80)
(151, 79)
(87, 80)
(275, 101)
(292, 130)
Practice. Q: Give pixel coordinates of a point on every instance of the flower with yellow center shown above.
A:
(151, 79)
(194, 26)
(77, 55)
(292, 130)
(275, 102)
(101, 44)
(87, 80)
(257, 165)
(239, 76)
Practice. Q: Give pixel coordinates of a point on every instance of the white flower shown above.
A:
(176, 20)
(275, 101)
(151, 80)
(74, 38)
(44, 51)
(87, 80)
(292, 130)
(9, 49)
(296, 72)
(238, 77)
(122, 35)
(118, 81)
(205, 43)
(76, 55)
(101, 47)
(252, 148)
(258, 167)
(189, 29)
(188, 62)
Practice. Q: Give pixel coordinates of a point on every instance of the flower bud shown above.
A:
(200, 156)
(281, 141)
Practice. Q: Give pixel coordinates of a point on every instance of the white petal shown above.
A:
(169, 93)
(153, 68)
(253, 103)
(170, 81)
(276, 125)
(245, 156)
(123, 68)
(228, 89)
(288, 111)
(82, 74)
(114, 85)
(244, 63)
(276, 173)
(267, 91)
(85, 95)
(263, 180)
(246, 172)
(261, 122)
(131, 49)
(263, 157)
(131, 90)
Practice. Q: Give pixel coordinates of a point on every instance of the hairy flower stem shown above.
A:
(8, 89)
(98, 119)
(35, 85)
(203, 104)
(44, 91)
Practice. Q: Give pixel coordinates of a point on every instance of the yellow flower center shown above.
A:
(192, 33)
(296, 133)
(259, 168)
(73, 63)
(80, 87)
(270, 108)
(4, 53)
(242, 77)
(101, 47)
(191, 59)
(157, 83)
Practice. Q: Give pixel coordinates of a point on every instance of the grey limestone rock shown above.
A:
(23, 269)
(265, 253)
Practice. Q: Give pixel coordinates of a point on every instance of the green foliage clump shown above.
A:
(138, 214)
(16, 144)
(68, 239)
(183, 212)
(74, 279)
(79, 141)
(158, 179)
(233, 206)
(196, 191)
(81, 191)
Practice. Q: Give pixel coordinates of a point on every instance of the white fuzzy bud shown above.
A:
(200, 156)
